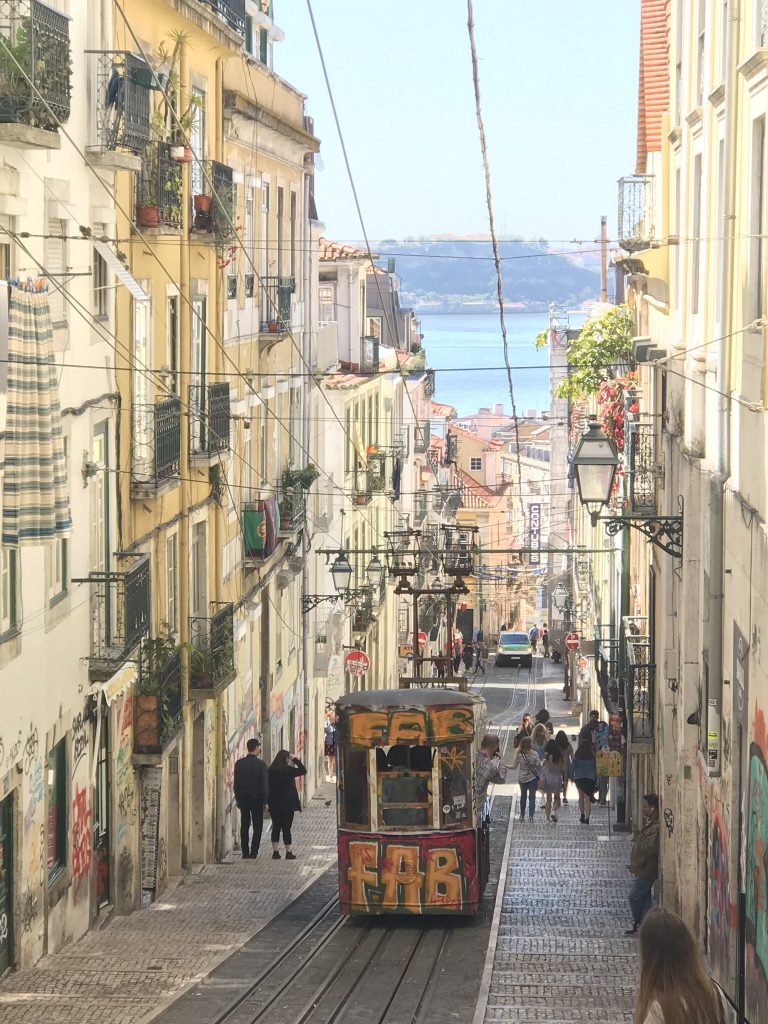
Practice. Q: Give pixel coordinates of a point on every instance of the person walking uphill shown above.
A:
(488, 768)
(284, 800)
(644, 862)
(251, 788)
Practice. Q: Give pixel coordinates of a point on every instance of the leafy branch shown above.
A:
(602, 342)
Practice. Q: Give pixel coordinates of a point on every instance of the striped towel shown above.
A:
(35, 497)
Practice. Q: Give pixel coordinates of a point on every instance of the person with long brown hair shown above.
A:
(284, 800)
(674, 986)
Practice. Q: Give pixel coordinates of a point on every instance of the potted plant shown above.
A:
(14, 88)
(147, 210)
(303, 478)
(150, 712)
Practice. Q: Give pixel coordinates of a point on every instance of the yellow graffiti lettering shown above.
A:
(400, 874)
(362, 873)
(451, 723)
(444, 881)
(408, 727)
(367, 727)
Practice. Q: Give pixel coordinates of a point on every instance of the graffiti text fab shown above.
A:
(397, 875)
(431, 725)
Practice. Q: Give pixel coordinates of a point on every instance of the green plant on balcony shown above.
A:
(603, 341)
(154, 717)
(303, 478)
(14, 61)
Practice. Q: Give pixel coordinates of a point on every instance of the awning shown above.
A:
(120, 270)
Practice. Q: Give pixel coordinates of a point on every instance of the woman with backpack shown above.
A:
(565, 746)
(529, 770)
(585, 777)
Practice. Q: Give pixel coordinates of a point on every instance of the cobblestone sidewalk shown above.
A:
(130, 970)
(561, 954)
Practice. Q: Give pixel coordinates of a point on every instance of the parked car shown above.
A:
(514, 648)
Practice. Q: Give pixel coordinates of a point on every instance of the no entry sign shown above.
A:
(572, 641)
(422, 640)
(357, 663)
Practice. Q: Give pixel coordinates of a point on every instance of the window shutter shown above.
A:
(263, 46)
(249, 33)
(55, 257)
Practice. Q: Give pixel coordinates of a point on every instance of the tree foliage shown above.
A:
(602, 342)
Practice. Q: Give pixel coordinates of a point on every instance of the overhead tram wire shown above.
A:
(154, 256)
(492, 227)
(209, 183)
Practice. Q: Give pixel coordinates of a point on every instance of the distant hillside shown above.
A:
(531, 277)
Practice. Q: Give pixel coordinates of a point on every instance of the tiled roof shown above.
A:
(442, 411)
(488, 446)
(475, 495)
(329, 250)
(653, 90)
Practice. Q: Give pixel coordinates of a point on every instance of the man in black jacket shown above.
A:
(251, 795)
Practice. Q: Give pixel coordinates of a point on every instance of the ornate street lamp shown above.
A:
(341, 573)
(375, 572)
(594, 465)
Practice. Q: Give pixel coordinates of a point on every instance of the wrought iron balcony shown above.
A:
(363, 615)
(607, 669)
(377, 472)
(640, 696)
(420, 508)
(636, 212)
(212, 654)
(422, 434)
(641, 462)
(35, 73)
(122, 101)
(276, 304)
(260, 521)
(158, 188)
(249, 286)
(293, 510)
(156, 442)
(362, 489)
(120, 610)
(230, 11)
(209, 418)
(157, 707)
(459, 551)
(369, 355)
(213, 201)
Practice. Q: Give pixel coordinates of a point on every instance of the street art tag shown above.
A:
(431, 725)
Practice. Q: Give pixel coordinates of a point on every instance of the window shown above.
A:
(326, 294)
(696, 235)
(700, 53)
(100, 286)
(757, 220)
(720, 244)
(354, 786)
(6, 270)
(55, 256)
(677, 233)
(263, 447)
(475, 464)
(249, 33)
(9, 584)
(57, 810)
(172, 584)
(374, 327)
(250, 241)
(280, 211)
(197, 140)
(172, 342)
(198, 572)
(56, 556)
(263, 46)
(293, 234)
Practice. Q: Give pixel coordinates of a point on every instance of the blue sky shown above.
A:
(558, 82)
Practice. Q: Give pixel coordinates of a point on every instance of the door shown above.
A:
(197, 376)
(142, 412)
(103, 611)
(101, 836)
(6, 883)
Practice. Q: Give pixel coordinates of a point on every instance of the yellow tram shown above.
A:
(410, 836)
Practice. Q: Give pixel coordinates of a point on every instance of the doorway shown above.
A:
(6, 884)
(101, 835)
(197, 837)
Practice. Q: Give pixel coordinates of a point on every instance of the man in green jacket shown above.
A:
(644, 862)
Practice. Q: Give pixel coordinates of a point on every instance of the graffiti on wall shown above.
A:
(35, 784)
(125, 784)
(30, 750)
(79, 740)
(81, 835)
(757, 871)
(384, 874)
(431, 725)
(722, 909)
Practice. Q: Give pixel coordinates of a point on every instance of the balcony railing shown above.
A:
(157, 709)
(293, 510)
(641, 460)
(422, 433)
(260, 521)
(362, 488)
(212, 657)
(276, 304)
(123, 84)
(377, 472)
(641, 677)
(156, 441)
(214, 205)
(369, 355)
(230, 11)
(420, 508)
(209, 418)
(636, 212)
(249, 286)
(607, 669)
(35, 74)
(120, 608)
(158, 188)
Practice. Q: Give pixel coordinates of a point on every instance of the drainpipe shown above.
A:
(184, 366)
(307, 659)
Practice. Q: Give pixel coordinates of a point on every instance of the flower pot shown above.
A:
(203, 204)
(273, 326)
(148, 216)
(181, 154)
(146, 723)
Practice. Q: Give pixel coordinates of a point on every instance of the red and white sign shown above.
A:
(422, 639)
(357, 663)
(572, 641)
(583, 663)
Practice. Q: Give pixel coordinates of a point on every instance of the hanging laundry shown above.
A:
(35, 496)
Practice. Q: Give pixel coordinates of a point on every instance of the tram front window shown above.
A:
(404, 786)
(354, 783)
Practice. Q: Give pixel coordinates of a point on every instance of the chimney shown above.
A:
(498, 409)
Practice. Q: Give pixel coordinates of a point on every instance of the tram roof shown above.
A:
(407, 698)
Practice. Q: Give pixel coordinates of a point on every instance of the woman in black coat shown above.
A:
(283, 799)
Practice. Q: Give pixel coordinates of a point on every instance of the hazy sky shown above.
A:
(558, 82)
